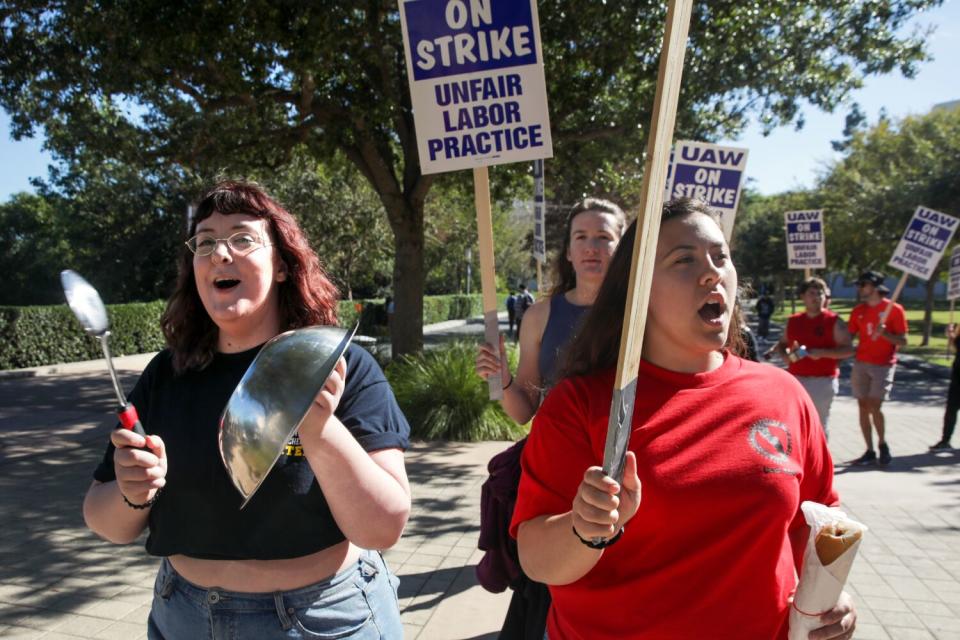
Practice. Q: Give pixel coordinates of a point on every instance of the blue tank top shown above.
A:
(561, 326)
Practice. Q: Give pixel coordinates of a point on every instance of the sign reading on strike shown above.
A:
(805, 244)
(710, 173)
(924, 242)
(953, 289)
(539, 214)
(476, 81)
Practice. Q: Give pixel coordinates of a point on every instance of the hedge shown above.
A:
(37, 336)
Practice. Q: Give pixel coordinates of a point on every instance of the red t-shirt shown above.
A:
(864, 320)
(813, 333)
(725, 459)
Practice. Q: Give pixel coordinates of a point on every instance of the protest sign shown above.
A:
(710, 173)
(805, 242)
(477, 87)
(953, 289)
(924, 242)
(479, 97)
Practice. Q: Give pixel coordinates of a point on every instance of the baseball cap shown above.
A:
(875, 278)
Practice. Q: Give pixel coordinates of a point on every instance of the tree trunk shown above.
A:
(928, 307)
(406, 328)
(404, 203)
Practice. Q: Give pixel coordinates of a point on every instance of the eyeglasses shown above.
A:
(241, 243)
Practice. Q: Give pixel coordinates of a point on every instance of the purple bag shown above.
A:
(500, 565)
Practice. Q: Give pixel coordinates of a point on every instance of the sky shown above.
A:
(789, 159)
(785, 159)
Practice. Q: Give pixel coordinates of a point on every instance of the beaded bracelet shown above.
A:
(148, 503)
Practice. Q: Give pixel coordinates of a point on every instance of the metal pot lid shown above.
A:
(272, 399)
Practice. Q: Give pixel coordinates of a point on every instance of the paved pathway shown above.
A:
(59, 581)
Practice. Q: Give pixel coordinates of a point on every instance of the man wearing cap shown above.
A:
(813, 343)
(881, 327)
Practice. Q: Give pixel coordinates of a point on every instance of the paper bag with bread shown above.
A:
(832, 546)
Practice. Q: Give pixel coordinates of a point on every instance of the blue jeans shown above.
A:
(359, 603)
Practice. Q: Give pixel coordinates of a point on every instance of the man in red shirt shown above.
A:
(881, 326)
(813, 343)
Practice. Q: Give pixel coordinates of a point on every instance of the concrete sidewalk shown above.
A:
(59, 581)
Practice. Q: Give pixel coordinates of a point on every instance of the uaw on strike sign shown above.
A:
(476, 81)
(711, 173)
(805, 246)
(953, 288)
(924, 242)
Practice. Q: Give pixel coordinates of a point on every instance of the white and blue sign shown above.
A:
(953, 288)
(476, 82)
(924, 242)
(539, 215)
(805, 242)
(711, 173)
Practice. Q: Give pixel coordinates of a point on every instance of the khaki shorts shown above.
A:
(872, 381)
(821, 390)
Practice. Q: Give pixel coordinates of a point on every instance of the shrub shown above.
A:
(41, 335)
(34, 336)
(452, 307)
(443, 398)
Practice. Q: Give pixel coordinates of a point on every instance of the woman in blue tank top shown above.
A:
(593, 229)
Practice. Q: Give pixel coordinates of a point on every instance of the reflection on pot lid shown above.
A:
(272, 399)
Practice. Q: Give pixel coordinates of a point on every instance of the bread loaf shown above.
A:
(833, 540)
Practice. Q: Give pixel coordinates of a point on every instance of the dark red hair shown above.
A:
(307, 297)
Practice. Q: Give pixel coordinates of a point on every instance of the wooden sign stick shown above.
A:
(488, 279)
(893, 300)
(949, 325)
(664, 117)
(807, 273)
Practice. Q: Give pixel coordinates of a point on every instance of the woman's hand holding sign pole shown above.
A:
(488, 282)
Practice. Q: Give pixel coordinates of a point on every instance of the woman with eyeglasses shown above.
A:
(301, 559)
(703, 536)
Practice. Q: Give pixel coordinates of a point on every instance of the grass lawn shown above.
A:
(935, 352)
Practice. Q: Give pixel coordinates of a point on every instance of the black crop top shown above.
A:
(199, 514)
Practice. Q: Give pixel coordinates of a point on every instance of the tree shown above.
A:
(745, 59)
(451, 228)
(116, 224)
(240, 84)
(31, 239)
(342, 218)
(889, 170)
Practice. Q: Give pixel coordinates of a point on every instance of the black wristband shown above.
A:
(148, 503)
(602, 544)
(509, 383)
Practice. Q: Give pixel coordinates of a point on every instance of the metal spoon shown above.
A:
(86, 304)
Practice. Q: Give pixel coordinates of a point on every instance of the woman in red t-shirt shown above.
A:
(724, 449)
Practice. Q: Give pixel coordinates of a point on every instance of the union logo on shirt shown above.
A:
(772, 440)
(293, 447)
